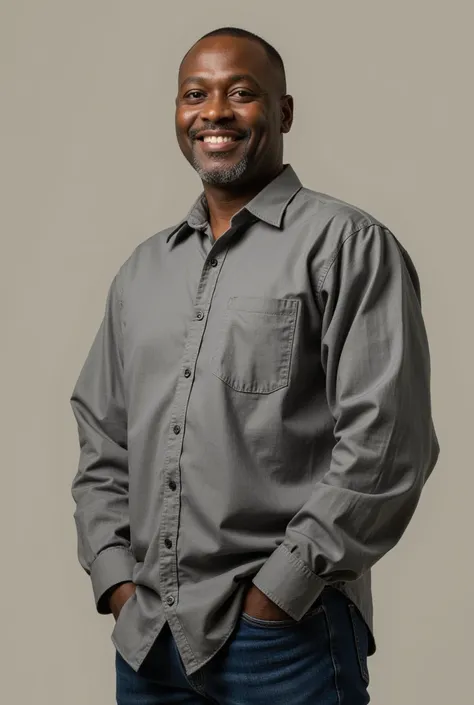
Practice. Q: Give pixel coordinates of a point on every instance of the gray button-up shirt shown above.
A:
(252, 409)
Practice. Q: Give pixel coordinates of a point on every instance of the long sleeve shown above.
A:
(375, 355)
(100, 486)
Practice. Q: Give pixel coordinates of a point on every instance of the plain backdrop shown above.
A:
(90, 168)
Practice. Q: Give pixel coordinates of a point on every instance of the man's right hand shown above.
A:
(119, 596)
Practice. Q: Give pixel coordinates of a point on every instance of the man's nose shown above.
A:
(217, 107)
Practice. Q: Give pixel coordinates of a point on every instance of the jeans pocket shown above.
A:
(361, 640)
(281, 623)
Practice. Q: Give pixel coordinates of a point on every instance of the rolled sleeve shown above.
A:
(375, 355)
(112, 566)
(288, 582)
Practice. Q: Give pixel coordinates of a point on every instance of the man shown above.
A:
(254, 417)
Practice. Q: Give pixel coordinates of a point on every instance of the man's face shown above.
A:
(230, 111)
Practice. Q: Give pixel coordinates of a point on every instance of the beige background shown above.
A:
(90, 168)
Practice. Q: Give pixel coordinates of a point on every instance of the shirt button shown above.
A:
(177, 429)
(172, 485)
(199, 315)
(187, 372)
(213, 262)
(170, 599)
(168, 543)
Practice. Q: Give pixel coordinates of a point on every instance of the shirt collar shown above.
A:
(268, 205)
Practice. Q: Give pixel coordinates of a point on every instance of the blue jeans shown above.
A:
(320, 660)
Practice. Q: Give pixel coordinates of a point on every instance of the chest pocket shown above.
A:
(255, 346)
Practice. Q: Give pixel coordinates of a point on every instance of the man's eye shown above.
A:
(193, 94)
(242, 93)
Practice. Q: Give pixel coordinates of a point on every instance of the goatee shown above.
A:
(221, 174)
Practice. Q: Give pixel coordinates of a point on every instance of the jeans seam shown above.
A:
(199, 685)
(363, 669)
(333, 657)
(196, 682)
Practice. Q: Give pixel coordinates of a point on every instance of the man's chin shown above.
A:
(221, 173)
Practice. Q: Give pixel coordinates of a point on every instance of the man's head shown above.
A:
(232, 108)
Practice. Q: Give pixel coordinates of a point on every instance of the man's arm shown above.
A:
(100, 486)
(375, 355)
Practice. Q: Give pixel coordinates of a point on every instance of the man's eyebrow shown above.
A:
(192, 79)
(243, 77)
(233, 79)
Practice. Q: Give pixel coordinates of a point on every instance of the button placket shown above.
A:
(171, 511)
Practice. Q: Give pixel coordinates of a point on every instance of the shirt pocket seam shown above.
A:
(281, 308)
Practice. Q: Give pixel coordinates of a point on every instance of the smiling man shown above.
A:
(231, 115)
(254, 417)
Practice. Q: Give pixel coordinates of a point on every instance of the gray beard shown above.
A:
(222, 175)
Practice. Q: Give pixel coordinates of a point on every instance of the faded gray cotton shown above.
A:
(255, 408)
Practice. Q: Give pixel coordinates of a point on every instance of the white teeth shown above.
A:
(217, 140)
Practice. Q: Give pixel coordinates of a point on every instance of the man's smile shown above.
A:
(218, 140)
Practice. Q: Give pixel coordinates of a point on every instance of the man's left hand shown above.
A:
(257, 604)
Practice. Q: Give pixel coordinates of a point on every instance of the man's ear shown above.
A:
(286, 114)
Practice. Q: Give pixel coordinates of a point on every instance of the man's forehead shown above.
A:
(224, 53)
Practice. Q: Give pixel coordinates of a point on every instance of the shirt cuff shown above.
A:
(288, 582)
(111, 566)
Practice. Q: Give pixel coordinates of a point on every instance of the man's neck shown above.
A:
(223, 203)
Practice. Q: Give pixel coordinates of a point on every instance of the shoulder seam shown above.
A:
(335, 253)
